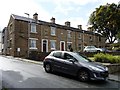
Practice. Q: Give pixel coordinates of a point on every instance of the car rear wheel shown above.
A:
(83, 75)
(48, 68)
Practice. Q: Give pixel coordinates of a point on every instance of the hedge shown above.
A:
(106, 58)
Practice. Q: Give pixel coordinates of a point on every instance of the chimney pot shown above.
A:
(52, 20)
(35, 16)
(67, 23)
(80, 27)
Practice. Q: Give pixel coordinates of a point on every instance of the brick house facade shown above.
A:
(26, 34)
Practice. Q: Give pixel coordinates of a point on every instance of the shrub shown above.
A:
(106, 58)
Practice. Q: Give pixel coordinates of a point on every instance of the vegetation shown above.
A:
(106, 58)
(116, 46)
(106, 21)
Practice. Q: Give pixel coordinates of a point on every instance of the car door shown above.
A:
(58, 61)
(70, 64)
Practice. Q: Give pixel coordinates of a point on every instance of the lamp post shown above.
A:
(28, 32)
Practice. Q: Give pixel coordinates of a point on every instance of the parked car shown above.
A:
(105, 50)
(92, 49)
(74, 64)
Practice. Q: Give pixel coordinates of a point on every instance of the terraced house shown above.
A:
(25, 35)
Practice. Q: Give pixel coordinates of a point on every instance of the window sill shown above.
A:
(33, 48)
(34, 32)
(53, 35)
(53, 49)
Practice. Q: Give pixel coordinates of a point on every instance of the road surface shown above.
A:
(20, 74)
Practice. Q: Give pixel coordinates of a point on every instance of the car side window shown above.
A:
(68, 56)
(57, 54)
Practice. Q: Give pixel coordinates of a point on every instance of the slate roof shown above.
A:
(17, 17)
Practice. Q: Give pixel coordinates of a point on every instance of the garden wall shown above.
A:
(112, 68)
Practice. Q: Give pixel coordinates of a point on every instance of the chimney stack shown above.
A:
(52, 20)
(35, 16)
(67, 23)
(80, 27)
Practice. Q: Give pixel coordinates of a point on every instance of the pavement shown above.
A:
(112, 77)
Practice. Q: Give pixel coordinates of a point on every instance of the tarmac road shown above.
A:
(19, 74)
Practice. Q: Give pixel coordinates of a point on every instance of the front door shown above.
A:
(44, 45)
(62, 45)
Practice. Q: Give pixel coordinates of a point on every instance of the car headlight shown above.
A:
(95, 68)
(106, 68)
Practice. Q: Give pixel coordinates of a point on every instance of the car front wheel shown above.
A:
(83, 75)
(48, 68)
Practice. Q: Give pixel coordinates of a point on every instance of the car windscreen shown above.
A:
(81, 58)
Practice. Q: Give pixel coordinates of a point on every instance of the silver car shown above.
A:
(92, 49)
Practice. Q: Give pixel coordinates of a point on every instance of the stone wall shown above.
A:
(112, 68)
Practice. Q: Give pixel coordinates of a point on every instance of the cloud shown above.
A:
(63, 10)
(20, 7)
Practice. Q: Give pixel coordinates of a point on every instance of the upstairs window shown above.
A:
(91, 39)
(11, 27)
(33, 28)
(99, 39)
(53, 31)
(80, 36)
(69, 34)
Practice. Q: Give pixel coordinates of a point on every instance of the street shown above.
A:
(20, 74)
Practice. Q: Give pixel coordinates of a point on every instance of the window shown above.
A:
(79, 36)
(91, 39)
(79, 46)
(69, 46)
(11, 26)
(68, 57)
(99, 38)
(33, 43)
(53, 44)
(69, 34)
(57, 54)
(53, 29)
(45, 32)
(33, 28)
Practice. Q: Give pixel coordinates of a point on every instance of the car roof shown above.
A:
(62, 51)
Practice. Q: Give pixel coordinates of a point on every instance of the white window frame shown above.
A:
(80, 36)
(46, 46)
(67, 44)
(80, 46)
(61, 43)
(35, 39)
(54, 47)
(53, 31)
(69, 35)
(33, 28)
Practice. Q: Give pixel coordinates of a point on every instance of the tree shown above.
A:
(106, 21)
(118, 36)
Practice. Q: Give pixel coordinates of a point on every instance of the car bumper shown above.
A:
(100, 75)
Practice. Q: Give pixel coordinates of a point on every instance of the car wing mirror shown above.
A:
(71, 60)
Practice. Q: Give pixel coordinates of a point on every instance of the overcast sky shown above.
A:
(75, 11)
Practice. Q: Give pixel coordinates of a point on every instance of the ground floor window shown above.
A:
(79, 47)
(33, 42)
(53, 44)
(69, 46)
